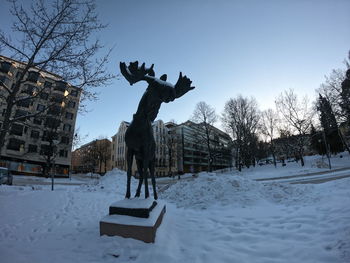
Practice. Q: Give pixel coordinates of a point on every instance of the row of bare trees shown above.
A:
(289, 125)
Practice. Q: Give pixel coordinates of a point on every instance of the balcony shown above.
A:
(5, 67)
(33, 76)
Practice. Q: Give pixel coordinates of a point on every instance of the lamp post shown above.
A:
(55, 143)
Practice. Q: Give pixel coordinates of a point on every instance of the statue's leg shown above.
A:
(145, 177)
(129, 159)
(151, 169)
(139, 169)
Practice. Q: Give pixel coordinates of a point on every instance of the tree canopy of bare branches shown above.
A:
(268, 126)
(55, 36)
(205, 116)
(297, 115)
(240, 118)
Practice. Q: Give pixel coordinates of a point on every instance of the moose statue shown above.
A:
(139, 137)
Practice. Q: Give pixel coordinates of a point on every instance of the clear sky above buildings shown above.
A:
(253, 48)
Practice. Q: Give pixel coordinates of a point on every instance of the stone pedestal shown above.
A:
(133, 218)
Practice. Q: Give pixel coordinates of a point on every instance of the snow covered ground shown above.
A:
(216, 217)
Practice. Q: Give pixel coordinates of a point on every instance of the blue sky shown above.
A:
(252, 48)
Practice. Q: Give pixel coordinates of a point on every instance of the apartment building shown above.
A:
(160, 132)
(192, 151)
(29, 140)
(94, 157)
(178, 149)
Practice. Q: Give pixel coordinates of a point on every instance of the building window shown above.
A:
(71, 104)
(16, 129)
(32, 148)
(37, 121)
(40, 107)
(67, 127)
(35, 134)
(69, 115)
(60, 86)
(47, 85)
(63, 153)
(65, 140)
(24, 103)
(21, 113)
(74, 93)
(5, 66)
(44, 95)
(46, 150)
(33, 76)
(15, 144)
(5, 80)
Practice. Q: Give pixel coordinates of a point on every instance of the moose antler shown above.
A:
(182, 86)
(133, 73)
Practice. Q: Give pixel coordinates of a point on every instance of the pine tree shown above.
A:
(317, 143)
(345, 97)
(329, 125)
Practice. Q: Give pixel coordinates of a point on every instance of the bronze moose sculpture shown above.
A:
(139, 137)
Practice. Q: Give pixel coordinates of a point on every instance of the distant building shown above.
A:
(177, 150)
(94, 157)
(118, 154)
(193, 155)
(27, 140)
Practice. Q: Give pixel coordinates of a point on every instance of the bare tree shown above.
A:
(204, 115)
(297, 115)
(240, 118)
(331, 90)
(269, 127)
(103, 152)
(53, 36)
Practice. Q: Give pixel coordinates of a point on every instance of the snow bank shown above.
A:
(235, 190)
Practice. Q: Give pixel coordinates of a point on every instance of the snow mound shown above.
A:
(319, 163)
(226, 189)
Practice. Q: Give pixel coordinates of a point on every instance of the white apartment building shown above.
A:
(162, 137)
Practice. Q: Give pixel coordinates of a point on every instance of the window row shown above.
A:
(18, 145)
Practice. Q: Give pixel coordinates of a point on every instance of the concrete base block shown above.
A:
(143, 229)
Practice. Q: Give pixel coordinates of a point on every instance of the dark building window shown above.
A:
(65, 140)
(40, 107)
(15, 144)
(44, 95)
(47, 85)
(46, 150)
(5, 80)
(57, 98)
(29, 89)
(52, 123)
(63, 153)
(37, 121)
(21, 113)
(74, 93)
(5, 66)
(54, 110)
(60, 86)
(71, 104)
(35, 134)
(24, 103)
(67, 127)
(32, 148)
(33, 76)
(69, 115)
(16, 129)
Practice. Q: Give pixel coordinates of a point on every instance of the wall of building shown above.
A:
(24, 143)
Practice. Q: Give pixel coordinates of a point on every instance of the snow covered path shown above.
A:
(213, 218)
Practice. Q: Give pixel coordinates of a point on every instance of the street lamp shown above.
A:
(54, 148)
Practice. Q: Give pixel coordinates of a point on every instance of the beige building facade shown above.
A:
(27, 140)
